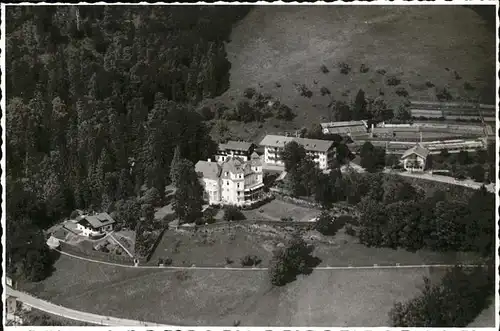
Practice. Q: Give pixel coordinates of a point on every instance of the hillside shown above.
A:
(274, 47)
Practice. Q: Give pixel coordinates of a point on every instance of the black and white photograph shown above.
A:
(250, 165)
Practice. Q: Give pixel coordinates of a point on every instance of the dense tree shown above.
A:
(28, 256)
(403, 114)
(359, 108)
(454, 302)
(293, 259)
(188, 198)
(293, 153)
(325, 224)
(174, 166)
(372, 158)
(232, 213)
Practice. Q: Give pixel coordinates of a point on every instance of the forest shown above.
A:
(99, 98)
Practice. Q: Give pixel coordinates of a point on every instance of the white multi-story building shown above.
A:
(321, 151)
(233, 181)
(240, 149)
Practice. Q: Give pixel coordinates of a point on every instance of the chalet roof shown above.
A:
(236, 145)
(418, 150)
(97, 221)
(210, 170)
(314, 145)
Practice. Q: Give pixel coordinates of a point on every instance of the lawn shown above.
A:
(186, 248)
(276, 209)
(201, 297)
(274, 47)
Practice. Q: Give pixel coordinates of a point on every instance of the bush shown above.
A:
(250, 261)
(393, 81)
(249, 92)
(457, 76)
(402, 92)
(287, 219)
(344, 68)
(74, 214)
(468, 86)
(232, 213)
(363, 68)
(325, 224)
(350, 230)
(381, 72)
(229, 261)
(429, 84)
(303, 90)
(167, 261)
(442, 94)
(324, 69)
(324, 91)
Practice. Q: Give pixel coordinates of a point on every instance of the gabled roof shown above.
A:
(233, 165)
(210, 170)
(314, 145)
(98, 220)
(236, 145)
(418, 150)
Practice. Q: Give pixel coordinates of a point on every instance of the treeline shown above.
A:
(100, 97)
(395, 214)
(456, 301)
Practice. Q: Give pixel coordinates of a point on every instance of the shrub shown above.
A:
(442, 94)
(74, 214)
(429, 84)
(457, 76)
(229, 261)
(160, 261)
(287, 219)
(324, 69)
(249, 92)
(402, 92)
(350, 230)
(344, 68)
(324, 91)
(232, 213)
(468, 86)
(393, 81)
(167, 261)
(277, 84)
(381, 72)
(325, 224)
(303, 90)
(250, 261)
(363, 68)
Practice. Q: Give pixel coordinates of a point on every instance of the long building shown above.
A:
(346, 128)
(321, 151)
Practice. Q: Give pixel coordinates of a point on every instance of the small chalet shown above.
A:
(414, 159)
(97, 224)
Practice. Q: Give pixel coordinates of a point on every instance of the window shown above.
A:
(238, 185)
(227, 182)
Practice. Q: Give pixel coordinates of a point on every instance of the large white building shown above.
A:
(232, 181)
(321, 151)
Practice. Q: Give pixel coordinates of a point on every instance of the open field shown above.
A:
(276, 209)
(275, 47)
(219, 297)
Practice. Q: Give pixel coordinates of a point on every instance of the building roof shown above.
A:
(98, 220)
(210, 170)
(236, 145)
(315, 145)
(418, 150)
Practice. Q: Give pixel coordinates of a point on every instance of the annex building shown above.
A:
(321, 151)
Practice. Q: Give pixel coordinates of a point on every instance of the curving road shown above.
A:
(75, 314)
